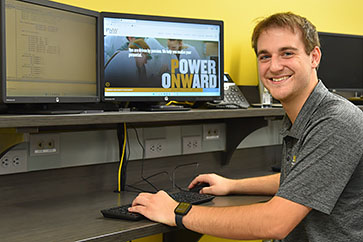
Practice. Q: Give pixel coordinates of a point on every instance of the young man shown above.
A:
(319, 194)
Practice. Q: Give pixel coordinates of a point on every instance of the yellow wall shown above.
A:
(341, 16)
(152, 238)
(207, 238)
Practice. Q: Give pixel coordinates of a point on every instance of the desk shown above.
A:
(31, 213)
(26, 121)
(78, 218)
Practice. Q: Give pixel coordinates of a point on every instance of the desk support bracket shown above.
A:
(236, 130)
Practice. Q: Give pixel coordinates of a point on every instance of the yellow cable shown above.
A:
(122, 159)
(176, 102)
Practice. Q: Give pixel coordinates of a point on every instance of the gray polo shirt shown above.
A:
(322, 168)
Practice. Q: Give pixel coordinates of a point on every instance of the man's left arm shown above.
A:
(273, 219)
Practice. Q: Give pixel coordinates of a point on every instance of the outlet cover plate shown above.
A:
(14, 161)
(155, 148)
(211, 131)
(44, 144)
(192, 144)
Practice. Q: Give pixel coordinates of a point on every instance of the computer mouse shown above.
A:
(198, 187)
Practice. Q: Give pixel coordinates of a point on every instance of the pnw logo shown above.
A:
(190, 74)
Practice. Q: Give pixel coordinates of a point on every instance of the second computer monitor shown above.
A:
(49, 53)
(341, 65)
(153, 58)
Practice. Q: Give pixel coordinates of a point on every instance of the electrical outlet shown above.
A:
(5, 162)
(44, 144)
(192, 144)
(211, 131)
(14, 161)
(155, 148)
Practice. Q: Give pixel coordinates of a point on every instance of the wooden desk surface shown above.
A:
(78, 218)
(8, 121)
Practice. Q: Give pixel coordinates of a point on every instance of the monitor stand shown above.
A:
(157, 108)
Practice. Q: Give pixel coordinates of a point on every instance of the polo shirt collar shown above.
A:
(296, 130)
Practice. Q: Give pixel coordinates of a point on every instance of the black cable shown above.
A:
(182, 165)
(143, 178)
(9, 148)
(135, 188)
(128, 146)
(142, 162)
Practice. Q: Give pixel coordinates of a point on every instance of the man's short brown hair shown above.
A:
(290, 20)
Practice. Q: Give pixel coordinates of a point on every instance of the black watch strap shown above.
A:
(180, 211)
(179, 221)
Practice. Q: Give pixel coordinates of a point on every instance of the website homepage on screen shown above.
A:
(158, 58)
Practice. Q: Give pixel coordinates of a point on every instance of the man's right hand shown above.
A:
(218, 185)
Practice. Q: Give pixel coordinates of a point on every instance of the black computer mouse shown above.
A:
(198, 187)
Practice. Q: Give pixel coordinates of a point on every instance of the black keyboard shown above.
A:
(191, 197)
(121, 212)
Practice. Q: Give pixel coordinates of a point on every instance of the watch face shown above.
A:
(183, 208)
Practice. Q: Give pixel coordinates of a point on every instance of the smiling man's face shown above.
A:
(285, 69)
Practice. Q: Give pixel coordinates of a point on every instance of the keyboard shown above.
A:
(121, 212)
(191, 197)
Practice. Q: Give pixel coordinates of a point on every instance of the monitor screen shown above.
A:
(49, 53)
(341, 65)
(153, 58)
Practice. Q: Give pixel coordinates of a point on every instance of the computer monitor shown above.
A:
(341, 65)
(49, 53)
(161, 59)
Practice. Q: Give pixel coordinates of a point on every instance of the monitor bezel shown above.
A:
(220, 23)
(53, 99)
(340, 35)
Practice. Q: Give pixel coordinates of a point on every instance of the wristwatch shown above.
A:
(180, 211)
